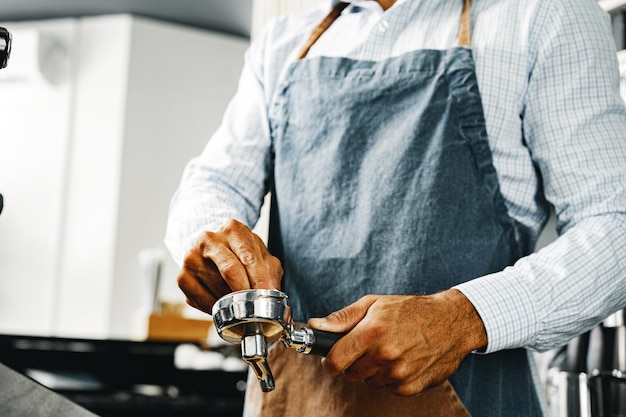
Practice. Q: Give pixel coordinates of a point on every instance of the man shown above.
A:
(413, 149)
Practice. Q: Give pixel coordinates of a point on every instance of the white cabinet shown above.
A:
(98, 117)
(612, 5)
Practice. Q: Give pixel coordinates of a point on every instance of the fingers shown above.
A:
(394, 377)
(242, 258)
(354, 344)
(270, 269)
(201, 282)
(398, 379)
(219, 251)
(231, 259)
(344, 320)
(405, 344)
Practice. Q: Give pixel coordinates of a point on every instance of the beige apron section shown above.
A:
(304, 389)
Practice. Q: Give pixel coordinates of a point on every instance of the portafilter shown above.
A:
(255, 318)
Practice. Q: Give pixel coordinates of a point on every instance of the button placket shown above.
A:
(383, 25)
(383, 32)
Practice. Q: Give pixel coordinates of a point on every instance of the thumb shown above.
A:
(344, 320)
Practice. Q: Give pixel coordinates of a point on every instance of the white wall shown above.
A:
(171, 113)
(88, 166)
(95, 168)
(35, 125)
(264, 10)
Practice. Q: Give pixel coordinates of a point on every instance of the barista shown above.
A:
(415, 148)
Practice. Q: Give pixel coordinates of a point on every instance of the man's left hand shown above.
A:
(403, 343)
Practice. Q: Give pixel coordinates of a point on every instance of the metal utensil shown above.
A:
(254, 318)
(5, 47)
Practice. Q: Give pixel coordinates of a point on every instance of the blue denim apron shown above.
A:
(384, 184)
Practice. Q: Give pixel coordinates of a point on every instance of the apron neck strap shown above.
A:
(465, 31)
(322, 27)
(464, 27)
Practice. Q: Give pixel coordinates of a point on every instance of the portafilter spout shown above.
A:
(255, 318)
(254, 353)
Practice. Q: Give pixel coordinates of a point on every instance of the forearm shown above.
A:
(463, 322)
(199, 207)
(573, 125)
(549, 297)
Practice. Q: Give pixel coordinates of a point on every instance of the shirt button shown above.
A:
(383, 25)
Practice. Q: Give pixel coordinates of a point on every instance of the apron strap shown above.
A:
(464, 27)
(322, 27)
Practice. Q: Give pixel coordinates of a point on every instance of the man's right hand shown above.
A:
(233, 258)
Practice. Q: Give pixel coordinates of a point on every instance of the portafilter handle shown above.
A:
(311, 341)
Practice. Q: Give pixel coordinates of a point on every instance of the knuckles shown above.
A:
(230, 269)
(275, 265)
(398, 374)
(232, 227)
(405, 390)
(351, 376)
(388, 353)
(248, 257)
(183, 281)
(332, 366)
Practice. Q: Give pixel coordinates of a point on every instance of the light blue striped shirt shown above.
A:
(548, 74)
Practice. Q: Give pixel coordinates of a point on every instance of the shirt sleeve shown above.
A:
(229, 179)
(575, 128)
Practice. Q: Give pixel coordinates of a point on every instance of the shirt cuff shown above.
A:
(505, 305)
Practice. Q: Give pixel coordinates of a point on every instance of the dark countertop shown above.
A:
(123, 378)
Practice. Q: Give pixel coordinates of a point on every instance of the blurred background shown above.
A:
(102, 104)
